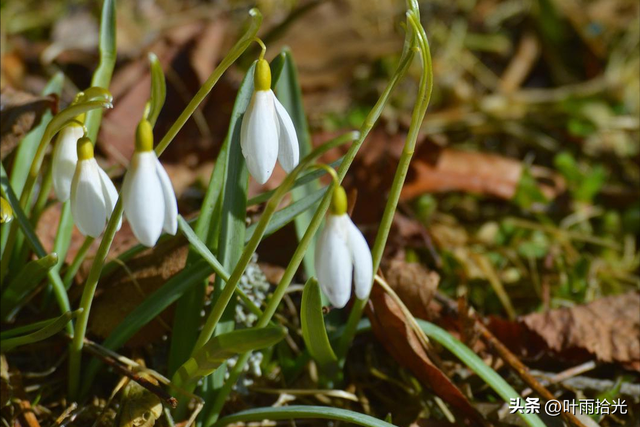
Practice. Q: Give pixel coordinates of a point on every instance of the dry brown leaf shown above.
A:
(393, 330)
(21, 112)
(414, 284)
(131, 85)
(125, 289)
(607, 329)
(437, 169)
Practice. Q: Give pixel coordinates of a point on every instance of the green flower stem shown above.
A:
(236, 51)
(256, 237)
(75, 351)
(424, 95)
(316, 220)
(77, 261)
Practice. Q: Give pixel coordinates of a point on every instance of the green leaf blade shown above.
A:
(314, 332)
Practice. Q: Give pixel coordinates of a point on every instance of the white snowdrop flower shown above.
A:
(93, 195)
(342, 253)
(65, 158)
(148, 198)
(267, 131)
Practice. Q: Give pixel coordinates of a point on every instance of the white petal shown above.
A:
(362, 262)
(259, 136)
(170, 203)
(142, 198)
(333, 262)
(65, 158)
(289, 149)
(87, 199)
(110, 195)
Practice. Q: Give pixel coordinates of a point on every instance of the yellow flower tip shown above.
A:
(85, 148)
(339, 201)
(81, 117)
(262, 75)
(144, 136)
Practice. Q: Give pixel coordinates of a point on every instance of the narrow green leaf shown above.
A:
(24, 283)
(313, 329)
(189, 307)
(50, 329)
(221, 347)
(303, 413)
(23, 221)
(290, 95)
(469, 358)
(102, 75)
(34, 242)
(201, 248)
(158, 89)
(232, 229)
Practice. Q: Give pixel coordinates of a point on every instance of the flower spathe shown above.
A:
(342, 253)
(148, 198)
(267, 133)
(65, 158)
(93, 195)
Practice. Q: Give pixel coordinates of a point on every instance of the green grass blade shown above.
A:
(314, 332)
(158, 89)
(302, 413)
(221, 347)
(102, 75)
(48, 330)
(290, 95)
(469, 358)
(24, 283)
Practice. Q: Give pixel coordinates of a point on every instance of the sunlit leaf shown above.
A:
(218, 349)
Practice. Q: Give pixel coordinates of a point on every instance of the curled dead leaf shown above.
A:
(392, 329)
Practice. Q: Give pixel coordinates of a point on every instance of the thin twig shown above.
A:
(109, 360)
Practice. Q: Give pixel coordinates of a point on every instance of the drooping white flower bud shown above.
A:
(267, 132)
(93, 195)
(149, 200)
(342, 253)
